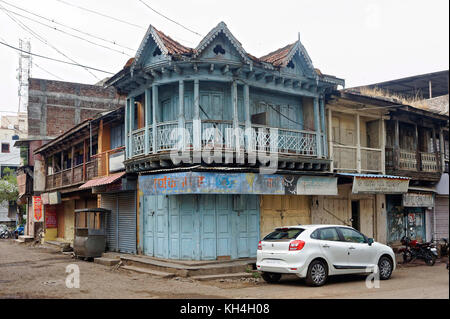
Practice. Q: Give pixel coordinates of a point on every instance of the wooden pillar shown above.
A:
(85, 159)
(358, 143)
(442, 148)
(72, 162)
(53, 170)
(181, 118)
(248, 121)
(317, 126)
(396, 150)
(430, 89)
(131, 126)
(418, 157)
(197, 123)
(148, 112)
(127, 130)
(155, 108)
(383, 146)
(330, 138)
(234, 102)
(436, 151)
(323, 127)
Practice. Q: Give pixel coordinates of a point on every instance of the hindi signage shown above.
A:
(50, 217)
(379, 185)
(38, 215)
(418, 200)
(236, 183)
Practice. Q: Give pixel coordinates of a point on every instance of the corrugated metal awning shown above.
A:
(102, 181)
(372, 176)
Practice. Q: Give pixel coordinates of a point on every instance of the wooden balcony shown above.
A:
(345, 158)
(72, 176)
(421, 165)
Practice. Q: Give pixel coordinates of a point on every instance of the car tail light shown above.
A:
(296, 245)
(259, 246)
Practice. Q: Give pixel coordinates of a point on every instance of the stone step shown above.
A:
(26, 239)
(161, 274)
(111, 255)
(106, 261)
(181, 270)
(19, 241)
(237, 275)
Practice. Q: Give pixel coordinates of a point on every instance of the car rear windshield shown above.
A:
(284, 233)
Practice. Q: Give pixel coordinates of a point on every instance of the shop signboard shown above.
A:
(236, 183)
(38, 215)
(418, 200)
(379, 185)
(50, 217)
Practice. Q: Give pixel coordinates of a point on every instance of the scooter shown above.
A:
(415, 250)
(5, 233)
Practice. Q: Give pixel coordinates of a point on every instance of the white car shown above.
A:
(315, 252)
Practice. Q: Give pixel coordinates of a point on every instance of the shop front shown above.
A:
(220, 216)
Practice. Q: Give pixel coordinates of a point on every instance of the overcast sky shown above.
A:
(361, 41)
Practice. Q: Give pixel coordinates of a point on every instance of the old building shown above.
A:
(53, 108)
(225, 145)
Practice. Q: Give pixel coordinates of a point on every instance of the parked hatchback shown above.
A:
(315, 252)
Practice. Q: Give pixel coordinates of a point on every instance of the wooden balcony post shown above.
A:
(234, 102)
(323, 139)
(53, 170)
(181, 118)
(127, 130)
(418, 155)
(148, 111)
(442, 148)
(131, 126)
(197, 124)
(155, 108)
(436, 151)
(396, 150)
(383, 146)
(85, 159)
(330, 138)
(72, 163)
(317, 126)
(358, 143)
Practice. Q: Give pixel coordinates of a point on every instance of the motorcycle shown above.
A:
(415, 250)
(5, 233)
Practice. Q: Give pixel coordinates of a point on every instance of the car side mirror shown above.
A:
(370, 241)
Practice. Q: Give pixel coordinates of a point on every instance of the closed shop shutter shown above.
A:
(441, 211)
(127, 222)
(284, 210)
(109, 201)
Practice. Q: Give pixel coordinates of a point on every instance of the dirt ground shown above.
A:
(38, 272)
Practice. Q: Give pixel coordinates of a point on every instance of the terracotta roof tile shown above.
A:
(277, 57)
(173, 46)
(102, 181)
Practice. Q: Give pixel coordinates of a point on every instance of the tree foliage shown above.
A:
(8, 187)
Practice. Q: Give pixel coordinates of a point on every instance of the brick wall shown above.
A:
(55, 106)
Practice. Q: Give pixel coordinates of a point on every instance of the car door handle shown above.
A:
(351, 247)
(325, 246)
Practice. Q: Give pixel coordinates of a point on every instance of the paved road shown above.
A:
(37, 272)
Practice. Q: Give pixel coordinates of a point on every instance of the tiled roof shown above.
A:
(173, 47)
(279, 56)
(102, 181)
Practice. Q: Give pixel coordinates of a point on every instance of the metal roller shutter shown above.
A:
(127, 222)
(441, 211)
(109, 201)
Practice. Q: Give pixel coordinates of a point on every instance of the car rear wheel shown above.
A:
(317, 273)
(385, 268)
(271, 277)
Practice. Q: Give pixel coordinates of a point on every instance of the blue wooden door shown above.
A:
(248, 227)
(161, 245)
(148, 209)
(224, 225)
(174, 227)
(188, 230)
(208, 232)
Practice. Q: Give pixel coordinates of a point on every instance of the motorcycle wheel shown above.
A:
(430, 259)
(407, 257)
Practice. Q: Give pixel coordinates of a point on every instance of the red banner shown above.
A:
(50, 217)
(37, 209)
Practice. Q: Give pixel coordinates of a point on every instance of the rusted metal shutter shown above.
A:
(109, 201)
(127, 222)
(441, 211)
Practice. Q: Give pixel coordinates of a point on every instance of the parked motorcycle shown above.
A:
(415, 250)
(5, 232)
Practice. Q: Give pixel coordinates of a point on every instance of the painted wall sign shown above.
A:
(379, 185)
(38, 215)
(50, 217)
(236, 183)
(418, 200)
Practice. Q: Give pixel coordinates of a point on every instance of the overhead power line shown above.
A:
(55, 60)
(43, 40)
(101, 14)
(39, 67)
(171, 20)
(69, 27)
(72, 35)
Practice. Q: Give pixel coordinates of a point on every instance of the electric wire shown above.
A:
(52, 59)
(69, 27)
(43, 40)
(67, 33)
